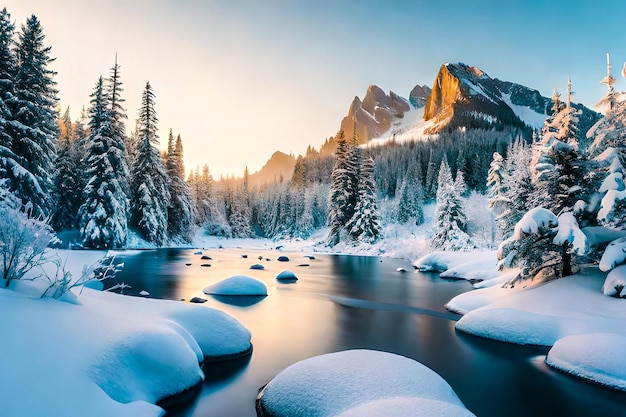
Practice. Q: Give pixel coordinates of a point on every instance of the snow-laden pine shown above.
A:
(104, 212)
(180, 213)
(149, 186)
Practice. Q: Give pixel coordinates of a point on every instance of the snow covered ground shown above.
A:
(104, 354)
(584, 326)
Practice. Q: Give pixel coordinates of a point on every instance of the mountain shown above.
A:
(278, 168)
(466, 97)
(376, 114)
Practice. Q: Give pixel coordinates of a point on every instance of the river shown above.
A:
(348, 302)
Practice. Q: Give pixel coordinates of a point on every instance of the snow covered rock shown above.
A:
(441, 261)
(598, 357)
(257, 267)
(613, 255)
(148, 365)
(283, 258)
(614, 280)
(286, 275)
(354, 382)
(237, 285)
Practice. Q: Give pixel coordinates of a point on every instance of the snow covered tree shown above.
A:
(33, 129)
(542, 245)
(517, 188)
(450, 232)
(365, 223)
(8, 68)
(180, 213)
(343, 189)
(410, 202)
(104, 212)
(150, 190)
(495, 184)
(68, 178)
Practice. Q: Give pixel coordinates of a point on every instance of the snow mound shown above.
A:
(218, 335)
(597, 357)
(149, 364)
(613, 255)
(615, 278)
(480, 270)
(407, 407)
(442, 261)
(543, 314)
(286, 275)
(327, 385)
(237, 285)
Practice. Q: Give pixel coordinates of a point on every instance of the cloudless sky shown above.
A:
(240, 79)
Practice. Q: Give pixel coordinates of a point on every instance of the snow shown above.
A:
(356, 381)
(407, 407)
(445, 260)
(543, 314)
(614, 254)
(526, 114)
(533, 220)
(568, 231)
(237, 285)
(615, 278)
(613, 181)
(608, 203)
(480, 270)
(596, 356)
(107, 354)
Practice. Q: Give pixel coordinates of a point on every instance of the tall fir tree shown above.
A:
(450, 228)
(33, 129)
(68, 177)
(364, 226)
(343, 189)
(8, 68)
(104, 212)
(180, 212)
(149, 187)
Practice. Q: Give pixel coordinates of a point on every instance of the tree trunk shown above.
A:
(567, 260)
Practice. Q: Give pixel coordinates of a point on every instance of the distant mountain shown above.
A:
(375, 115)
(278, 167)
(466, 97)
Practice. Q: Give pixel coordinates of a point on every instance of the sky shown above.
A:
(241, 79)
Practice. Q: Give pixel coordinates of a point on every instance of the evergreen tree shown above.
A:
(343, 189)
(365, 223)
(150, 190)
(517, 188)
(33, 129)
(68, 178)
(104, 212)
(8, 68)
(450, 223)
(180, 213)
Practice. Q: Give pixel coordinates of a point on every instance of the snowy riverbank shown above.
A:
(572, 314)
(104, 354)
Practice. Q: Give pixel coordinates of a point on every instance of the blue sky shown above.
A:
(240, 79)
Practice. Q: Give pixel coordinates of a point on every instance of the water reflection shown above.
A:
(345, 302)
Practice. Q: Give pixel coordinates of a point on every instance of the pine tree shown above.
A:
(104, 212)
(180, 213)
(365, 223)
(343, 189)
(150, 190)
(34, 126)
(8, 68)
(517, 188)
(68, 183)
(450, 223)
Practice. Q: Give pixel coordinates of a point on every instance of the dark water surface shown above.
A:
(350, 302)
